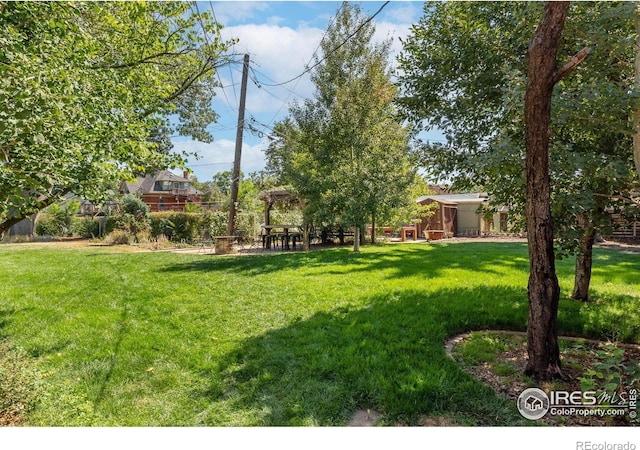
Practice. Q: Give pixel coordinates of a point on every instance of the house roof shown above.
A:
(147, 184)
(456, 199)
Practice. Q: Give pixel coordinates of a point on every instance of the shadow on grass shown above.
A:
(616, 267)
(113, 360)
(387, 356)
(395, 260)
(5, 320)
(609, 318)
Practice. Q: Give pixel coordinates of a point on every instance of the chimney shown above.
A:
(185, 174)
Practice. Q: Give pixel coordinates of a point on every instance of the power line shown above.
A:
(325, 33)
(229, 61)
(308, 69)
(211, 164)
(291, 91)
(257, 82)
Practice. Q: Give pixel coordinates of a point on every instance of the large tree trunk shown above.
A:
(356, 239)
(584, 261)
(543, 288)
(16, 216)
(373, 228)
(636, 115)
(7, 224)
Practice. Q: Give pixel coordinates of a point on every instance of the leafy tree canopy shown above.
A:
(464, 72)
(89, 89)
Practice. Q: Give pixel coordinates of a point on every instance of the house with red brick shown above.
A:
(163, 191)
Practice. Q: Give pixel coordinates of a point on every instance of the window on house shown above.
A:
(162, 186)
(166, 186)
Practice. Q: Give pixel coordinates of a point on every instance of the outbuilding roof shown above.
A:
(456, 199)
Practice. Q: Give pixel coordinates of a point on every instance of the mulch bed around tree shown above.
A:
(580, 359)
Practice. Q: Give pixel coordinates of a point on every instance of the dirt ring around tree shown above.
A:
(578, 355)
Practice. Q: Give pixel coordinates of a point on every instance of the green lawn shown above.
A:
(162, 339)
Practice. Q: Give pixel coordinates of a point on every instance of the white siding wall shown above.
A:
(469, 222)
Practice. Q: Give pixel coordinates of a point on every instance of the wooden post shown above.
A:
(305, 238)
(235, 181)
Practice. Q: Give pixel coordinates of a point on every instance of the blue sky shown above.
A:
(281, 38)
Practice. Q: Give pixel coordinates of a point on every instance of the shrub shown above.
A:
(186, 226)
(46, 225)
(86, 227)
(118, 237)
(112, 223)
(251, 223)
(132, 204)
(134, 216)
(134, 225)
(160, 226)
(216, 222)
(58, 220)
(176, 226)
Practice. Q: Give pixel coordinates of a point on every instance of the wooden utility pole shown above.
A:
(235, 181)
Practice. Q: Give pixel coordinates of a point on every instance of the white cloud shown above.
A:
(277, 54)
(405, 13)
(232, 11)
(219, 155)
(280, 52)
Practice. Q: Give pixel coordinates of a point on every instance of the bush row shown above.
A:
(186, 227)
(172, 225)
(52, 225)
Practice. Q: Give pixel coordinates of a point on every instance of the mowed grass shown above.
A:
(164, 339)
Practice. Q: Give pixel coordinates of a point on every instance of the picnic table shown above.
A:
(269, 239)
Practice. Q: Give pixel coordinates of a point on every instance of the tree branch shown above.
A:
(42, 202)
(187, 82)
(603, 122)
(631, 199)
(147, 60)
(571, 64)
(5, 150)
(207, 67)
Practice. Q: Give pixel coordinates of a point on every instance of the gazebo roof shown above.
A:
(278, 194)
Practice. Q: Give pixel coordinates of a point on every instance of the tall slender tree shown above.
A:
(476, 97)
(346, 151)
(544, 291)
(464, 71)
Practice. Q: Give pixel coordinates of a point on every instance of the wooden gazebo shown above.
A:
(276, 195)
(282, 195)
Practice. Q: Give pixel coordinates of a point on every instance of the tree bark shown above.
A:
(306, 244)
(16, 216)
(636, 115)
(373, 228)
(356, 239)
(584, 262)
(543, 289)
(7, 224)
